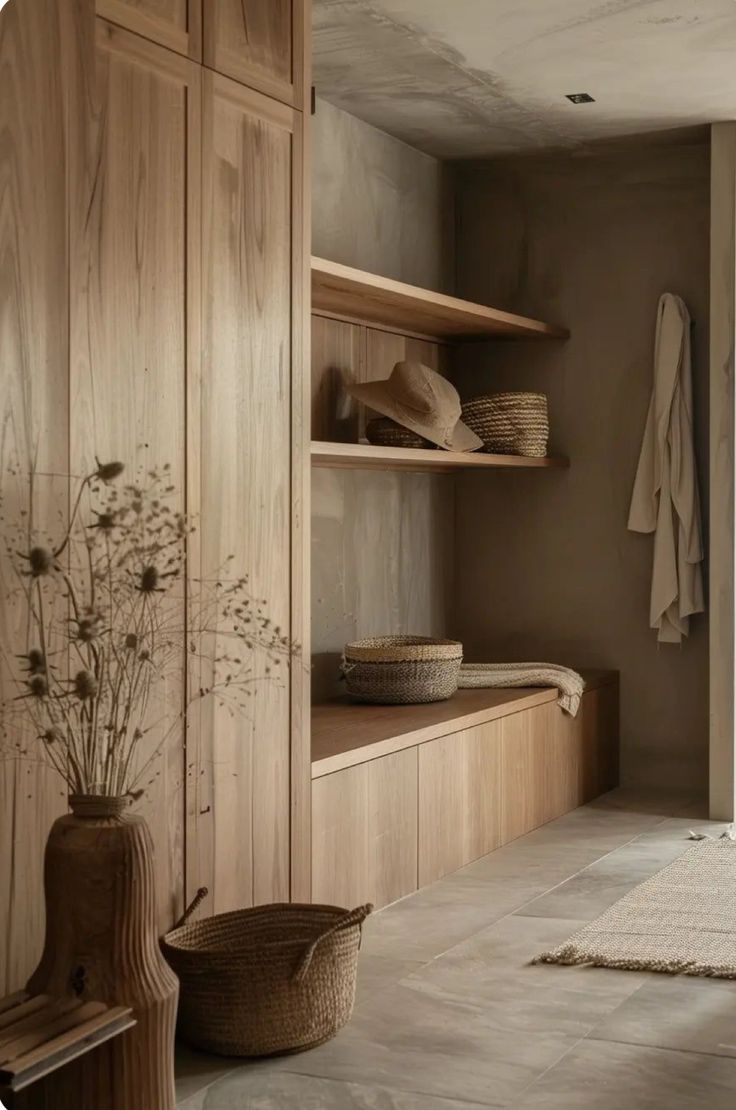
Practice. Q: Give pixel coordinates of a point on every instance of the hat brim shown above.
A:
(376, 396)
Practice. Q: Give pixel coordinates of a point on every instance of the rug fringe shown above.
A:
(570, 955)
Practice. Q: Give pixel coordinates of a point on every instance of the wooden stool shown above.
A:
(40, 1033)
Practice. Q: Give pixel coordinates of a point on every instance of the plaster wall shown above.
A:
(546, 566)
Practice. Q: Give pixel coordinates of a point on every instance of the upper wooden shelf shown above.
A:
(351, 294)
(364, 456)
(345, 733)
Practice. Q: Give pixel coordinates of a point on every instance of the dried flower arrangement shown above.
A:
(111, 616)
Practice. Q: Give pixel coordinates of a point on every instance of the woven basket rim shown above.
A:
(210, 926)
(515, 400)
(402, 649)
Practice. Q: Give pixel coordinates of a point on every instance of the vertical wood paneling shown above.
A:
(239, 769)
(131, 289)
(33, 420)
(459, 799)
(338, 360)
(300, 832)
(365, 832)
(523, 773)
(176, 24)
(259, 43)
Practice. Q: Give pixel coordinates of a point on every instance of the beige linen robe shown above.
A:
(665, 498)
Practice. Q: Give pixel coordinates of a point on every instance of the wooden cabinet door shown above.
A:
(365, 832)
(459, 799)
(240, 478)
(34, 401)
(134, 172)
(260, 43)
(176, 24)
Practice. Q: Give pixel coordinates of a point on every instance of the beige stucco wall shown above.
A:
(545, 565)
(382, 543)
(378, 204)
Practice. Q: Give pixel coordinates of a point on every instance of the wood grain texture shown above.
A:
(344, 291)
(338, 359)
(301, 475)
(175, 24)
(57, 1041)
(364, 833)
(459, 799)
(260, 43)
(523, 773)
(130, 178)
(345, 732)
(34, 402)
(518, 764)
(239, 768)
(722, 627)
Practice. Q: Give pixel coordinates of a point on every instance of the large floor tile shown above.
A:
(376, 973)
(195, 1071)
(492, 976)
(431, 1045)
(589, 893)
(249, 1089)
(599, 1075)
(421, 927)
(680, 1012)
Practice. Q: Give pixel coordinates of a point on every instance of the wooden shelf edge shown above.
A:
(364, 456)
(355, 295)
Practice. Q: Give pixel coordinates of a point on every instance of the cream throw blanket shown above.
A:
(568, 682)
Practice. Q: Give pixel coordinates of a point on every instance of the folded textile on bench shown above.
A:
(568, 682)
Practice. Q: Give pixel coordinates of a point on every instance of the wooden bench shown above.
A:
(39, 1033)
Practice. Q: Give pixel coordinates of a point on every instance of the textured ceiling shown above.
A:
(468, 78)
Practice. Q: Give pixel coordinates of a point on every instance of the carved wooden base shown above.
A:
(102, 943)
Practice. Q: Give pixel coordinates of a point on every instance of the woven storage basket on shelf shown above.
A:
(265, 981)
(510, 423)
(402, 670)
(383, 432)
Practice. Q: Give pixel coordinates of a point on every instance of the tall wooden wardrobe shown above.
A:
(154, 267)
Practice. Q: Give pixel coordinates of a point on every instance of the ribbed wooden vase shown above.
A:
(102, 944)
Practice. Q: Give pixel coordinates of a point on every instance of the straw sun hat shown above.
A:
(422, 400)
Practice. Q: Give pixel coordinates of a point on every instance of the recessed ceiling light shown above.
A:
(581, 98)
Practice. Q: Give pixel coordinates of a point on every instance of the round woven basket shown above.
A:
(383, 432)
(268, 980)
(402, 670)
(510, 423)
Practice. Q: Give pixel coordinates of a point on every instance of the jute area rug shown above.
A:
(682, 920)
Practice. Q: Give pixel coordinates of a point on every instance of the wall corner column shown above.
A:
(722, 802)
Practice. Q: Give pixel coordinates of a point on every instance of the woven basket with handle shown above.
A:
(510, 423)
(398, 670)
(265, 981)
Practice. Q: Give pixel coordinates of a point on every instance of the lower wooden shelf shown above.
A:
(402, 795)
(365, 456)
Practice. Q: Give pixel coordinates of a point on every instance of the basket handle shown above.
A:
(196, 901)
(353, 917)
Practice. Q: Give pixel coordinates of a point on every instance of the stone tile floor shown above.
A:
(450, 1014)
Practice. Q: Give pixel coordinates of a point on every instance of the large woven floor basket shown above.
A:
(402, 670)
(510, 423)
(266, 981)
